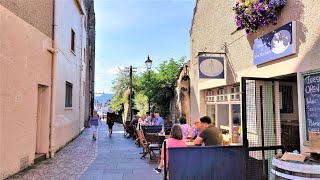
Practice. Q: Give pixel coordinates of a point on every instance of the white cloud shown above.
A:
(104, 85)
(112, 71)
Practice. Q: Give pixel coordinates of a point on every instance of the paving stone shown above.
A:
(108, 158)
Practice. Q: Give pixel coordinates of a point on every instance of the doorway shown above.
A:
(270, 114)
(42, 122)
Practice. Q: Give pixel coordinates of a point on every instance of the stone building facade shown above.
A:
(214, 34)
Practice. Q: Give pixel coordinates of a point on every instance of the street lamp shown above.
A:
(149, 64)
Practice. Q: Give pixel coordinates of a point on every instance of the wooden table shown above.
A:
(190, 143)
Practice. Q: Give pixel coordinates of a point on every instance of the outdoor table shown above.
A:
(190, 143)
(161, 138)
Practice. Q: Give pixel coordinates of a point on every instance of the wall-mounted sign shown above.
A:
(312, 103)
(211, 67)
(276, 44)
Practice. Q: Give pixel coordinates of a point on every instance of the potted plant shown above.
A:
(251, 14)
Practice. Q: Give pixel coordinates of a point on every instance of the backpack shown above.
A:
(109, 120)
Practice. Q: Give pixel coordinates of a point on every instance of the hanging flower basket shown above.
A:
(251, 14)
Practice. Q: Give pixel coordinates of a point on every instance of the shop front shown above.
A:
(261, 89)
(223, 107)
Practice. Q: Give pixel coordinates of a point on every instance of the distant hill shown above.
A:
(103, 98)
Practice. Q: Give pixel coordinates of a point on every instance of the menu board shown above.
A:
(312, 102)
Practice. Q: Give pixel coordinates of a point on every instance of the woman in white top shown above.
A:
(141, 122)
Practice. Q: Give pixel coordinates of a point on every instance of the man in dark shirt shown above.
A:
(210, 135)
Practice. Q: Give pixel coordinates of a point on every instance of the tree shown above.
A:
(160, 87)
(141, 102)
(120, 86)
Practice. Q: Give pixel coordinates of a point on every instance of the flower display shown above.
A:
(251, 14)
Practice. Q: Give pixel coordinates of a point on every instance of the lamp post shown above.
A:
(149, 64)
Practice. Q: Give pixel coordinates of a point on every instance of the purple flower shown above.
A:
(260, 13)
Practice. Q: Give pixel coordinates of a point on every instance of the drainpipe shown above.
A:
(54, 51)
(80, 69)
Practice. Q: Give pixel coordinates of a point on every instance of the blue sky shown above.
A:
(127, 31)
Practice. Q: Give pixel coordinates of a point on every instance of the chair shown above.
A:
(126, 129)
(136, 136)
(148, 148)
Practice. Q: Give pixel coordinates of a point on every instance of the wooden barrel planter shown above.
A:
(294, 170)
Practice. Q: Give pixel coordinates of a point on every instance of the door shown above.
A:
(261, 124)
(39, 118)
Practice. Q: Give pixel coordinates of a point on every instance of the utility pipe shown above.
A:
(53, 81)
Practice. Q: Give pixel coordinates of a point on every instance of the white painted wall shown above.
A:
(70, 68)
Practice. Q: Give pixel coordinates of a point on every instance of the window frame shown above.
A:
(68, 95)
(73, 41)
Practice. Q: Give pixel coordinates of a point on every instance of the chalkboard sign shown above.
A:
(312, 103)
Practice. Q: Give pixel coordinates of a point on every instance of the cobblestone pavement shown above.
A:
(119, 159)
(68, 163)
(109, 158)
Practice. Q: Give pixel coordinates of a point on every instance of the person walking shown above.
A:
(110, 122)
(94, 122)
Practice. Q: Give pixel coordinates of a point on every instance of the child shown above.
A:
(94, 122)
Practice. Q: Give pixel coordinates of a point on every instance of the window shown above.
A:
(287, 99)
(68, 102)
(84, 88)
(73, 41)
(85, 22)
(85, 55)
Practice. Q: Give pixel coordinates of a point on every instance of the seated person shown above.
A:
(194, 131)
(158, 120)
(133, 123)
(175, 140)
(141, 122)
(210, 135)
(184, 127)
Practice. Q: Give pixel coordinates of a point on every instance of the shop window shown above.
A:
(220, 91)
(209, 96)
(286, 98)
(68, 100)
(235, 93)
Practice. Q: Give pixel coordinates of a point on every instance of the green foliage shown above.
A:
(141, 103)
(159, 86)
(119, 86)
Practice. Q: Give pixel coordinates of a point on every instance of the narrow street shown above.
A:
(110, 158)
